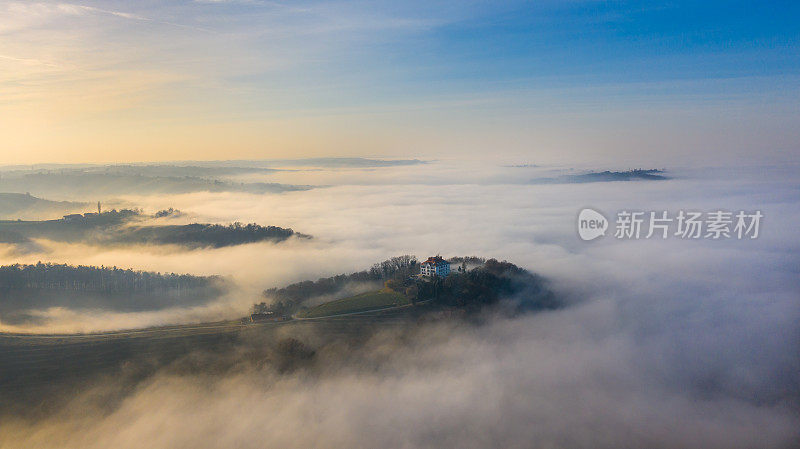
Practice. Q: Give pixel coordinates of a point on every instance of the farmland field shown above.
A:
(378, 299)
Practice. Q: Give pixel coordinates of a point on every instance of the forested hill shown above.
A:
(131, 227)
(24, 288)
(201, 235)
(473, 284)
(47, 276)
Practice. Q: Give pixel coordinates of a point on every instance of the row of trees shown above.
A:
(202, 234)
(468, 260)
(62, 277)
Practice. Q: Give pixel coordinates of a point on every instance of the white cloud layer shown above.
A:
(664, 344)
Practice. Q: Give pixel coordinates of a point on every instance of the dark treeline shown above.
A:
(469, 260)
(48, 276)
(490, 283)
(289, 299)
(26, 289)
(201, 234)
(638, 174)
(128, 227)
(164, 213)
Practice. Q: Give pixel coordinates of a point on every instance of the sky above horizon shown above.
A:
(534, 82)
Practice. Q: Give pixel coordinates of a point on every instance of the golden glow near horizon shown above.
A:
(107, 81)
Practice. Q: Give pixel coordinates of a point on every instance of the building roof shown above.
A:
(436, 260)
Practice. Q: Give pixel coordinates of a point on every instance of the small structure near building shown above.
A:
(73, 217)
(434, 266)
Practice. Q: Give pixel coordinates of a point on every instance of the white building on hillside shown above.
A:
(435, 266)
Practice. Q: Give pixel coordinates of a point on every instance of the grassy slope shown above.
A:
(358, 303)
(20, 205)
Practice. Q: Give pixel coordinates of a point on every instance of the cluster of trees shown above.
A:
(288, 300)
(167, 213)
(491, 282)
(62, 277)
(201, 234)
(469, 260)
(483, 285)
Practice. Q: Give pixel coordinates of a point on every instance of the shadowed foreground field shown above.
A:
(41, 372)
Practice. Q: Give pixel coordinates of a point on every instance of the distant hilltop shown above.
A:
(606, 176)
(14, 205)
(126, 227)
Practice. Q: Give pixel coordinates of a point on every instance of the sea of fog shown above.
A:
(662, 343)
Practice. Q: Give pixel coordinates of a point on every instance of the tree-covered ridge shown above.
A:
(49, 276)
(131, 227)
(488, 282)
(491, 283)
(638, 174)
(202, 234)
(27, 290)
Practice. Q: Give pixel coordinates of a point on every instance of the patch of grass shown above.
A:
(378, 299)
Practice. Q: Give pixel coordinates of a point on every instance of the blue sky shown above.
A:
(94, 80)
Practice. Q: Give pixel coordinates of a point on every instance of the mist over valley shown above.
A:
(653, 335)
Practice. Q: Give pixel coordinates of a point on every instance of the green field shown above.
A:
(378, 299)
